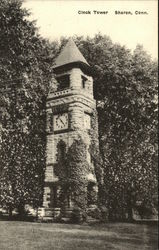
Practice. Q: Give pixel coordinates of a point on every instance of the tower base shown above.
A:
(67, 215)
(49, 214)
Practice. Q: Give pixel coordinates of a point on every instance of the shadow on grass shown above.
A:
(31, 218)
(28, 218)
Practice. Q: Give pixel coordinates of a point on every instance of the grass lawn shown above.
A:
(43, 236)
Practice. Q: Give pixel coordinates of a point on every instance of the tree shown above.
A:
(24, 84)
(125, 88)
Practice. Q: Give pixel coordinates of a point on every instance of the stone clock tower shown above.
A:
(69, 110)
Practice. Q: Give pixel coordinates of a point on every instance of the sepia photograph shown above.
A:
(78, 125)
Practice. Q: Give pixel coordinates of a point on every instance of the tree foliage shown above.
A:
(25, 60)
(125, 86)
(72, 170)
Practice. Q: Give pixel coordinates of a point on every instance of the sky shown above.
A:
(58, 18)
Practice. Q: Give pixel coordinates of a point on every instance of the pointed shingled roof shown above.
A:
(69, 54)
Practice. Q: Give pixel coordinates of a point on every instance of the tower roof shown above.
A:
(70, 54)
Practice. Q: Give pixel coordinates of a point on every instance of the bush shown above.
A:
(145, 211)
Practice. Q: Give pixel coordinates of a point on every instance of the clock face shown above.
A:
(60, 121)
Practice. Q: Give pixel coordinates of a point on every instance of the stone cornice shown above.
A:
(77, 98)
(68, 92)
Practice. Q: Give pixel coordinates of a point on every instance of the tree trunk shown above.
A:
(129, 209)
(21, 210)
(130, 214)
(10, 211)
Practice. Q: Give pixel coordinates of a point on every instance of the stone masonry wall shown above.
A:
(76, 101)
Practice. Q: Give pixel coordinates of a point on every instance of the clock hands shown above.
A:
(61, 121)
